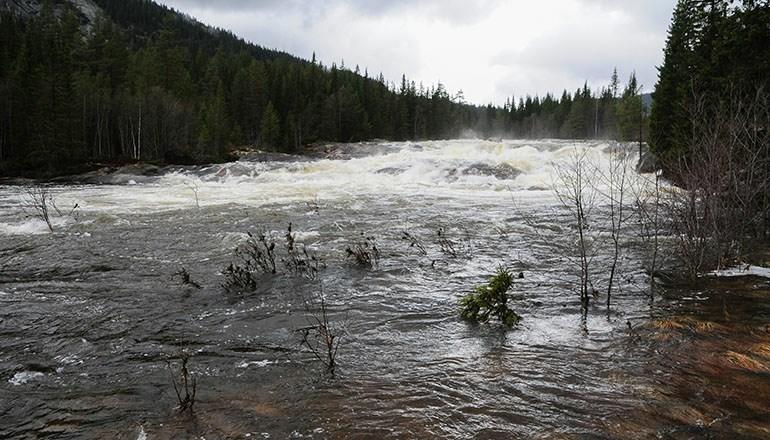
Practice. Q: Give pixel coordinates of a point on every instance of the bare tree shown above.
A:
(613, 186)
(41, 201)
(723, 201)
(575, 193)
(649, 210)
(193, 185)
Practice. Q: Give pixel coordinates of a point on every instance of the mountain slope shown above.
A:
(112, 80)
(86, 11)
(94, 81)
(142, 18)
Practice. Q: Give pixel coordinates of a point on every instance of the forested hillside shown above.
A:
(717, 58)
(143, 82)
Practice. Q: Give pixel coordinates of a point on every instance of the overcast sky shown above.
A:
(490, 49)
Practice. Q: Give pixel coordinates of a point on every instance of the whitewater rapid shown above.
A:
(391, 172)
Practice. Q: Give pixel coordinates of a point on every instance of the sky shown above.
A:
(489, 49)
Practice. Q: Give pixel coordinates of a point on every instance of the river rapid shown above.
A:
(92, 317)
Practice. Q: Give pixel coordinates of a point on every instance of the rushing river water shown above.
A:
(90, 314)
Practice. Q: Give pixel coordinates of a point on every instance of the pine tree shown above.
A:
(215, 125)
(270, 131)
(669, 123)
(629, 111)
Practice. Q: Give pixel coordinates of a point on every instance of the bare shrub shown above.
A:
(40, 200)
(364, 252)
(314, 205)
(239, 278)
(185, 385)
(186, 279)
(455, 245)
(193, 185)
(576, 194)
(299, 262)
(322, 336)
(724, 179)
(614, 189)
(255, 257)
(414, 242)
(652, 226)
(42, 203)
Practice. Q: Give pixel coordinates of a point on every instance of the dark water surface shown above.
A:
(90, 314)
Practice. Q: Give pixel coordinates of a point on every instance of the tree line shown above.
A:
(718, 50)
(710, 127)
(145, 83)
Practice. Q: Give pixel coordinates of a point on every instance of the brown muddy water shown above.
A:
(90, 314)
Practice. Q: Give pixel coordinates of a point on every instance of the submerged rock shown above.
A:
(390, 170)
(501, 171)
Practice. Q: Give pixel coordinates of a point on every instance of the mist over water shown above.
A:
(90, 312)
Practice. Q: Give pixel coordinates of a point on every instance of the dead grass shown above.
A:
(743, 362)
(762, 350)
(688, 323)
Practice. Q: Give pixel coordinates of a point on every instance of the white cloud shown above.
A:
(488, 48)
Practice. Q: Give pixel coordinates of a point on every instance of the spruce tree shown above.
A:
(270, 131)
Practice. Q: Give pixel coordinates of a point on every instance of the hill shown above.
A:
(91, 81)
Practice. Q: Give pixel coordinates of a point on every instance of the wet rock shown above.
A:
(390, 170)
(139, 169)
(263, 156)
(648, 163)
(348, 151)
(501, 171)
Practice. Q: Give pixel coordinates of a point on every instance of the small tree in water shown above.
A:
(490, 300)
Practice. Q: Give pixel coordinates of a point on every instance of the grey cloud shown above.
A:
(393, 36)
(652, 12)
(231, 5)
(454, 11)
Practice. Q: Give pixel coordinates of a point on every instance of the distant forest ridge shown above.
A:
(85, 81)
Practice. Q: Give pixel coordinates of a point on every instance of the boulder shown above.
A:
(648, 163)
(501, 171)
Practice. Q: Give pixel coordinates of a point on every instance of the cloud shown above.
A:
(488, 48)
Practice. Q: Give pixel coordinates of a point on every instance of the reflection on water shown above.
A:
(89, 314)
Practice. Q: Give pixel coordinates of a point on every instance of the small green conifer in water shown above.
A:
(490, 300)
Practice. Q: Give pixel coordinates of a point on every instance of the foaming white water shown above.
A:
(459, 169)
(32, 226)
(23, 377)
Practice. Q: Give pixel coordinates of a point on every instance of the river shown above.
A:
(91, 313)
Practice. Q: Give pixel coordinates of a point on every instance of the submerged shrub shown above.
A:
(186, 279)
(186, 387)
(257, 257)
(40, 201)
(299, 262)
(322, 336)
(364, 252)
(490, 300)
(460, 246)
